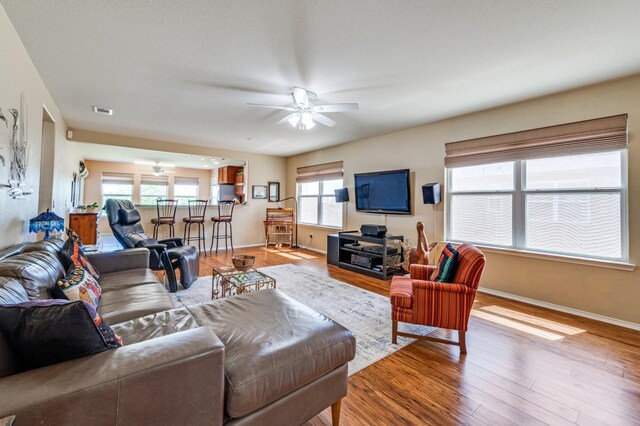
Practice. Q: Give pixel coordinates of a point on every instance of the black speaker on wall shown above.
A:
(431, 193)
(342, 195)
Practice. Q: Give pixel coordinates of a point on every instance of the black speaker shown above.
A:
(374, 230)
(431, 193)
(333, 249)
(342, 195)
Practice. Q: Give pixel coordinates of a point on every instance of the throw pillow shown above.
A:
(74, 256)
(45, 332)
(446, 265)
(79, 284)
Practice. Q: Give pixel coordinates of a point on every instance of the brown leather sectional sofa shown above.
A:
(256, 359)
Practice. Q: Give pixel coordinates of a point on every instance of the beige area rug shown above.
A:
(366, 314)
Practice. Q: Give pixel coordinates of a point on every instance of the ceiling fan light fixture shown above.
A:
(307, 121)
(294, 120)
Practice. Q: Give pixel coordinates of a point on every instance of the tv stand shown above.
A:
(382, 252)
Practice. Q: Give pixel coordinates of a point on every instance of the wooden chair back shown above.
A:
(225, 209)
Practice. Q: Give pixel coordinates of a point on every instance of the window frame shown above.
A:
(187, 198)
(319, 197)
(519, 212)
(165, 196)
(106, 196)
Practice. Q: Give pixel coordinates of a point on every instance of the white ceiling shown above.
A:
(99, 152)
(184, 70)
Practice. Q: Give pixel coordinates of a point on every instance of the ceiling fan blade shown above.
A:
(336, 107)
(273, 106)
(285, 119)
(323, 119)
(300, 96)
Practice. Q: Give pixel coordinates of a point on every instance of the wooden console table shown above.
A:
(340, 255)
(86, 226)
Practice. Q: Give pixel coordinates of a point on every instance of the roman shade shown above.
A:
(154, 180)
(319, 172)
(117, 178)
(583, 137)
(185, 181)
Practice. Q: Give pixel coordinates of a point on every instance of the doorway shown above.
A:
(47, 155)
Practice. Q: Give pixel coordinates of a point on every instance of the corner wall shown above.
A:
(608, 292)
(17, 75)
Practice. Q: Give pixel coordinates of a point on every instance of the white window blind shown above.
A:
(574, 204)
(185, 189)
(118, 186)
(316, 194)
(153, 188)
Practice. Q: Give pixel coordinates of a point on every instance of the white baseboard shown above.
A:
(560, 308)
(317, 250)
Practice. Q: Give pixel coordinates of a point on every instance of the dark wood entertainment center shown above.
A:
(340, 255)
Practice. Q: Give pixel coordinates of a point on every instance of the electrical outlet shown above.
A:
(311, 235)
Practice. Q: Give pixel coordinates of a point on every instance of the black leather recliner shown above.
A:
(167, 255)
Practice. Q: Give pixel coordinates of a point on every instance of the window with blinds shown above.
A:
(316, 187)
(152, 189)
(185, 189)
(118, 186)
(559, 190)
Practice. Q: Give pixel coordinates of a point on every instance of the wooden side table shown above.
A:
(86, 226)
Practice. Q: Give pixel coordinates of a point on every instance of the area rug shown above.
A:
(366, 314)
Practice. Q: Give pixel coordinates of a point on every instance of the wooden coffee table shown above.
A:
(228, 281)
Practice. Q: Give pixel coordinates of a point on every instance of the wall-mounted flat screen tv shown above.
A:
(383, 192)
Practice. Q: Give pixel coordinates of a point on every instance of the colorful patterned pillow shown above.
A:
(79, 284)
(446, 265)
(45, 332)
(74, 256)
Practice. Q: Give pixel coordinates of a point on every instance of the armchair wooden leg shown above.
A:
(463, 342)
(335, 412)
(394, 332)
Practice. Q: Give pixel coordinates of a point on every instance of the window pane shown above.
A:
(482, 219)
(488, 177)
(309, 188)
(308, 210)
(582, 224)
(114, 189)
(600, 170)
(149, 194)
(186, 191)
(329, 186)
(331, 212)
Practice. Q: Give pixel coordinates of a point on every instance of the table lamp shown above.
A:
(46, 222)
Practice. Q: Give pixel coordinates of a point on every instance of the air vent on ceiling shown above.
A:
(102, 110)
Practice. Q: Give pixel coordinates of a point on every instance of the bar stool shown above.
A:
(225, 214)
(166, 216)
(197, 210)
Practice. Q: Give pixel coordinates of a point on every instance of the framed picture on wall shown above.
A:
(274, 192)
(259, 192)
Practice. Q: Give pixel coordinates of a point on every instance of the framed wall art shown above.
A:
(274, 192)
(259, 192)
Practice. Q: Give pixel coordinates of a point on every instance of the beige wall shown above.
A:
(608, 292)
(247, 219)
(18, 74)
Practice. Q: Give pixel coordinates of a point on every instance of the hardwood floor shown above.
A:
(525, 365)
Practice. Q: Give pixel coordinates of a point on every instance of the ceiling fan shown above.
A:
(305, 114)
(157, 170)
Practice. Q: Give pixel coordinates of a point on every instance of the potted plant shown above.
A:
(91, 207)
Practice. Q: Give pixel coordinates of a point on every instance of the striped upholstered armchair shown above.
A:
(417, 300)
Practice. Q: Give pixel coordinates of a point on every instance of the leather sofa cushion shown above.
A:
(128, 278)
(12, 292)
(38, 271)
(155, 325)
(128, 303)
(52, 245)
(8, 359)
(273, 346)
